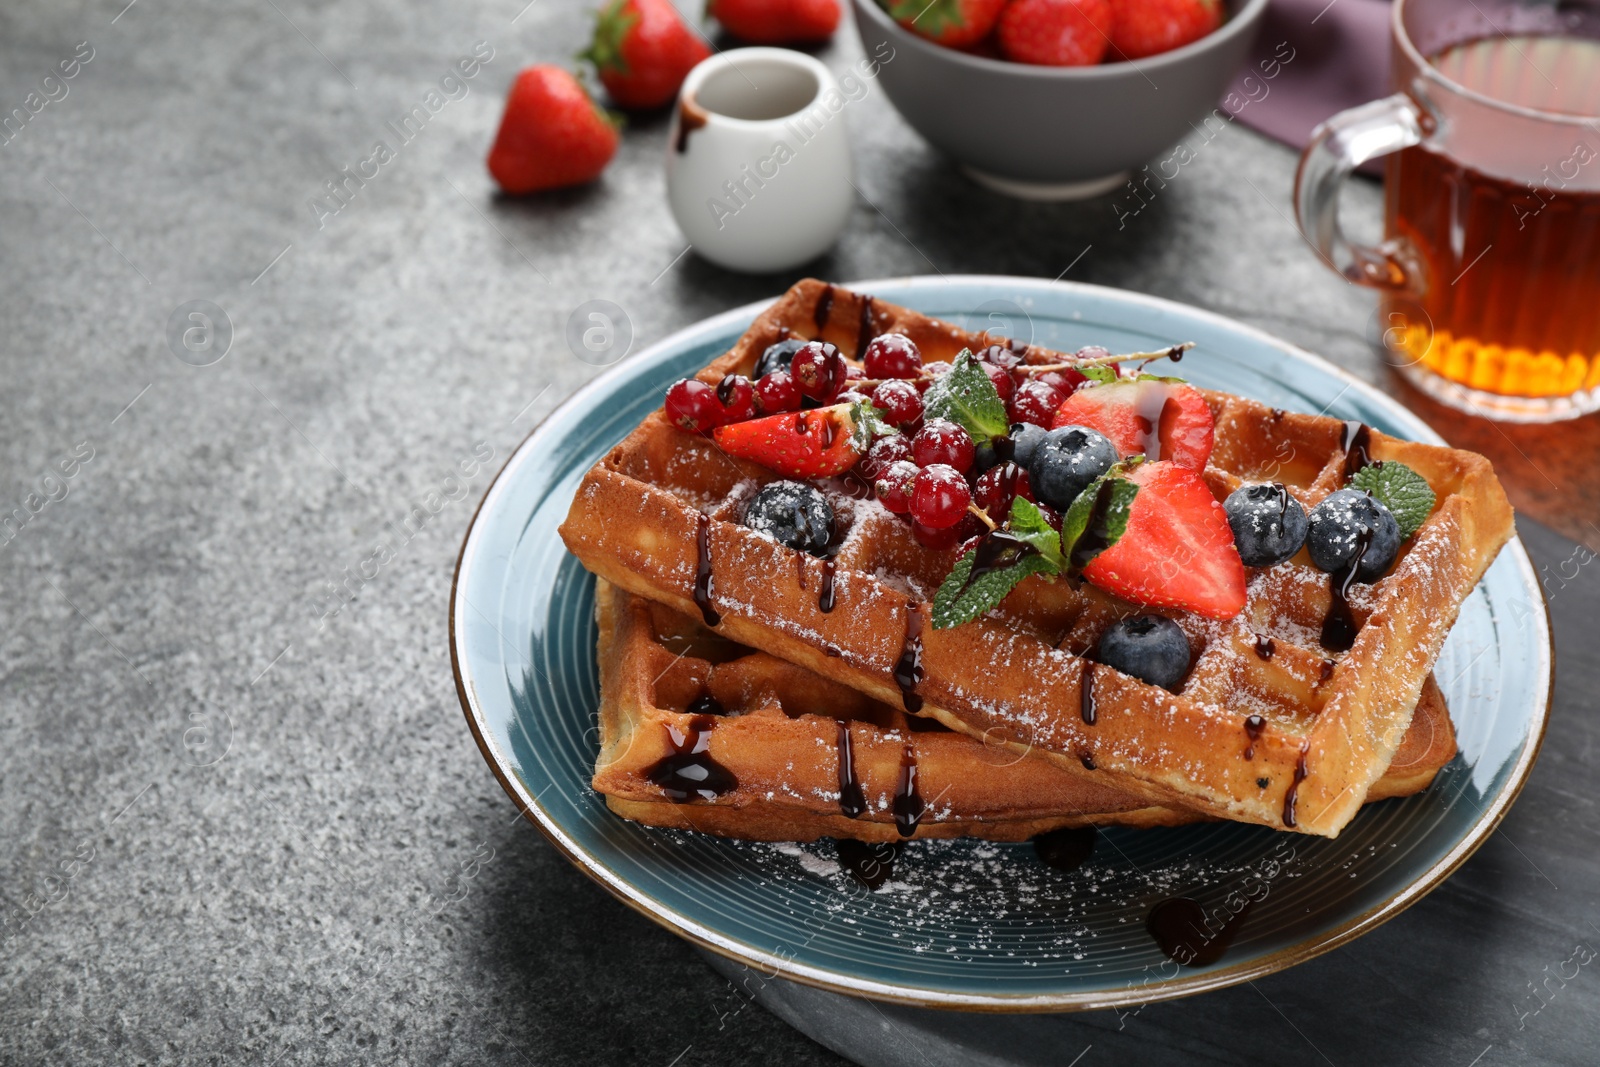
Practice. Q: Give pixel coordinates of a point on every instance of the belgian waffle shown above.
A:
(804, 750)
(1319, 716)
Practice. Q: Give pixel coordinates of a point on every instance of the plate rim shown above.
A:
(1315, 945)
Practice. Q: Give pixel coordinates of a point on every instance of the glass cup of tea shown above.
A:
(1490, 263)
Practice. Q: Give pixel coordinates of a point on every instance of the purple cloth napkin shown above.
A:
(1313, 59)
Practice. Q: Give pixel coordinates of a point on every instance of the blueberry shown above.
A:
(1269, 525)
(1150, 648)
(792, 513)
(1335, 534)
(777, 357)
(1063, 463)
(1025, 438)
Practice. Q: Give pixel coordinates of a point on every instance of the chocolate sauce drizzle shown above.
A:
(725, 388)
(1356, 441)
(1253, 727)
(1095, 538)
(825, 596)
(908, 805)
(908, 668)
(702, 573)
(1265, 646)
(1293, 794)
(852, 799)
(1066, 849)
(824, 307)
(1179, 927)
(871, 864)
(690, 773)
(1086, 706)
(864, 330)
(1087, 760)
(1339, 625)
(1327, 672)
(690, 119)
(997, 551)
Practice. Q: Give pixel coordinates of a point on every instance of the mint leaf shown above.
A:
(1027, 523)
(959, 600)
(866, 424)
(1406, 494)
(1098, 517)
(1101, 373)
(967, 397)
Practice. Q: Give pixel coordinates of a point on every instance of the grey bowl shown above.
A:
(1055, 132)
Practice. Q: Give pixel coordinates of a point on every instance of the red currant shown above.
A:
(1003, 382)
(692, 406)
(1001, 356)
(930, 371)
(737, 398)
(942, 441)
(895, 484)
(850, 396)
(884, 452)
(1092, 352)
(939, 496)
(776, 393)
(1036, 402)
(997, 487)
(1066, 381)
(900, 401)
(892, 355)
(818, 370)
(949, 537)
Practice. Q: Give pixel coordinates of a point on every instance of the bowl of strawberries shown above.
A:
(1057, 99)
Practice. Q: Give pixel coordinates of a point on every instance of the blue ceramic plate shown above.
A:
(967, 924)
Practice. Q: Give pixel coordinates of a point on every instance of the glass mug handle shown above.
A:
(1337, 147)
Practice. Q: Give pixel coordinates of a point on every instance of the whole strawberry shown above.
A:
(642, 50)
(1147, 27)
(1056, 33)
(953, 23)
(552, 134)
(777, 21)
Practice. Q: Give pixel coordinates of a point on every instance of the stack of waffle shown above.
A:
(813, 698)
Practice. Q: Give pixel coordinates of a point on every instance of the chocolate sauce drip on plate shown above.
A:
(864, 330)
(1339, 625)
(1179, 927)
(1293, 794)
(702, 572)
(1086, 706)
(908, 668)
(908, 805)
(1355, 440)
(824, 307)
(852, 800)
(1066, 849)
(690, 773)
(870, 863)
(1253, 726)
(1265, 646)
(825, 596)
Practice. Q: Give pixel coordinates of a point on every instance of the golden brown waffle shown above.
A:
(781, 735)
(658, 516)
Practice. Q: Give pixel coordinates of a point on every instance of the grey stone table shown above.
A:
(241, 818)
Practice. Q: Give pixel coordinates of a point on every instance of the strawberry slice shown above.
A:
(1177, 550)
(1154, 419)
(801, 444)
